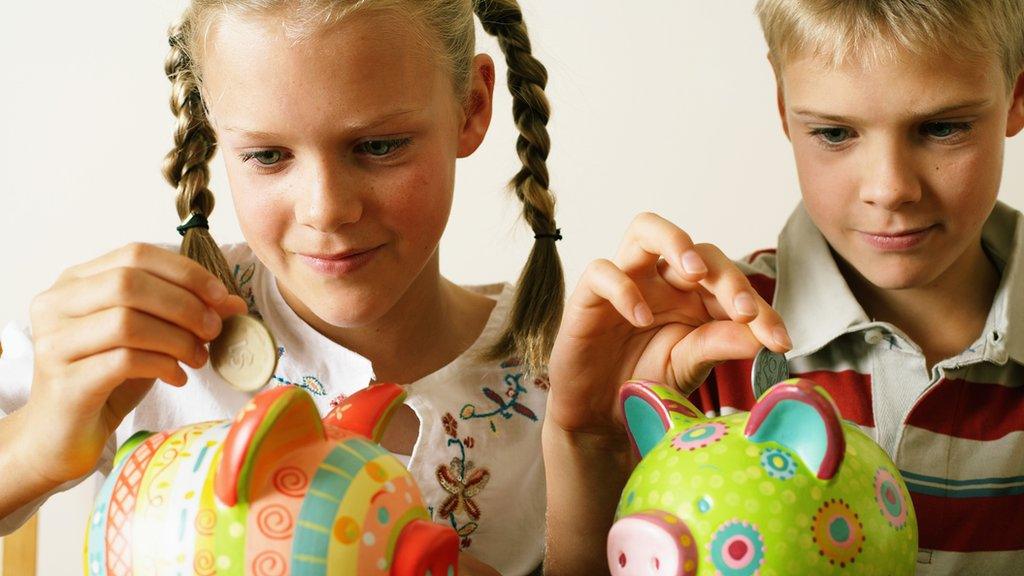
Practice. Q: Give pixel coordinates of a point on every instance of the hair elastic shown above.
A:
(195, 220)
(556, 235)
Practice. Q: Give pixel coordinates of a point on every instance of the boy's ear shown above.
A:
(477, 108)
(1015, 118)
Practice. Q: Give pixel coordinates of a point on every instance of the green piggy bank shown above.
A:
(788, 488)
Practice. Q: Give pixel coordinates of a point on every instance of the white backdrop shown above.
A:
(668, 107)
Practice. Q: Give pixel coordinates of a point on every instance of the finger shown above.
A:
(729, 291)
(651, 237)
(604, 282)
(694, 356)
(101, 374)
(121, 328)
(159, 262)
(141, 290)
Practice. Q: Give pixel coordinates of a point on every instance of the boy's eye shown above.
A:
(943, 130)
(264, 157)
(832, 135)
(380, 148)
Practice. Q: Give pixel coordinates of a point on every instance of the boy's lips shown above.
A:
(897, 240)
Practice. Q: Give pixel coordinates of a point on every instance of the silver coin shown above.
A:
(244, 353)
(769, 369)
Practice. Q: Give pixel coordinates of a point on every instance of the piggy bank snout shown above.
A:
(651, 544)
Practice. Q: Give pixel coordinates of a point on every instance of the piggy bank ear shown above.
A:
(801, 416)
(367, 412)
(273, 424)
(650, 410)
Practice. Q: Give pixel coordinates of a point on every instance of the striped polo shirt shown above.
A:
(956, 432)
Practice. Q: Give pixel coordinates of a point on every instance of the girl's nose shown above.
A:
(330, 200)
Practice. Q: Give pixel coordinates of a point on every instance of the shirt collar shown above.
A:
(810, 292)
(818, 306)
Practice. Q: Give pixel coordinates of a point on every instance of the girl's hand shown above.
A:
(664, 310)
(102, 334)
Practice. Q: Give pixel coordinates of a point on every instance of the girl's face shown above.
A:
(340, 151)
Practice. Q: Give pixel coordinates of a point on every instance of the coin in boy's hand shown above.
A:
(769, 369)
(244, 353)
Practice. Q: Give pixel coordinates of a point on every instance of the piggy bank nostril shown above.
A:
(622, 559)
(657, 564)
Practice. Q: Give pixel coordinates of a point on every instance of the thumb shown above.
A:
(710, 344)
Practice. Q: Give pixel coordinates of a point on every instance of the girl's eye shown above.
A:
(832, 135)
(264, 157)
(381, 148)
(944, 130)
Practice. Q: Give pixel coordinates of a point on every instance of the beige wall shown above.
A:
(667, 108)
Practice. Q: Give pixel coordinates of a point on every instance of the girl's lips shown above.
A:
(897, 242)
(340, 264)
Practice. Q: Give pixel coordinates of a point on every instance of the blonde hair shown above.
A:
(870, 31)
(540, 291)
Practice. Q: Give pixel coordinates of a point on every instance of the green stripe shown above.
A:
(965, 493)
(972, 482)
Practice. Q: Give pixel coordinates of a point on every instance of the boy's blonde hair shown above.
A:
(870, 31)
(537, 309)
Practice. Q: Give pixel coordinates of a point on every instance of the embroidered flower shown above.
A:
(462, 483)
(468, 441)
(542, 382)
(451, 426)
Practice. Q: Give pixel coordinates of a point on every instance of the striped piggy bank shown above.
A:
(788, 488)
(276, 491)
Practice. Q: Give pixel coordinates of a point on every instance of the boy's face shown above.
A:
(900, 163)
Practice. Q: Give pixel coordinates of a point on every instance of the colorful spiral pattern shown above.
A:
(291, 481)
(779, 464)
(700, 436)
(890, 499)
(838, 532)
(737, 549)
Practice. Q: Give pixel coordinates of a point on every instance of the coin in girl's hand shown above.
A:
(769, 369)
(244, 353)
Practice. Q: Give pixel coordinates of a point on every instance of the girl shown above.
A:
(340, 123)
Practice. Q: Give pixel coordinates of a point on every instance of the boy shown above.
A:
(900, 279)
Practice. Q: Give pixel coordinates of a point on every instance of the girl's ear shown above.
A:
(477, 109)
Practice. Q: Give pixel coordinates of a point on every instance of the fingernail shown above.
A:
(642, 314)
(693, 263)
(210, 322)
(216, 291)
(744, 304)
(781, 337)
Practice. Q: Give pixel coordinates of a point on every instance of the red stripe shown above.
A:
(754, 256)
(729, 385)
(969, 524)
(763, 285)
(851, 391)
(970, 410)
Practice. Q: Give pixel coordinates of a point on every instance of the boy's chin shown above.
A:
(897, 275)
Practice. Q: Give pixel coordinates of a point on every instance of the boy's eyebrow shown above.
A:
(353, 126)
(929, 114)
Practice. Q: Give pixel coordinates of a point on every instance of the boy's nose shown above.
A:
(329, 201)
(890, 178)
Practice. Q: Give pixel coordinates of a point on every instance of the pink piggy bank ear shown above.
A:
(367, 412)
(650, 410)
(801, 416)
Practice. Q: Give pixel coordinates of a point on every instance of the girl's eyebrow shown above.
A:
(352, 126)
(811, 114)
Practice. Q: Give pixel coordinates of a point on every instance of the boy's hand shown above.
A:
(102, 334)
(664, 310)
